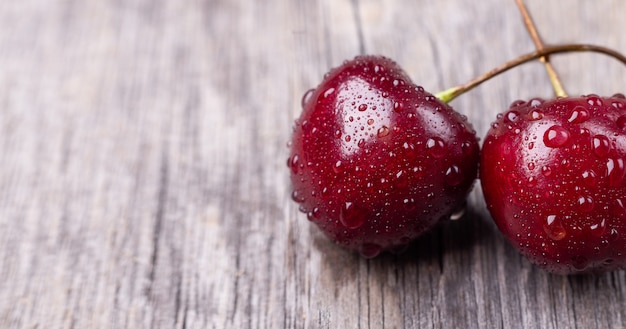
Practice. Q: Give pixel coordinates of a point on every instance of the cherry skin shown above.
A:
(553, 176)
(375, 160)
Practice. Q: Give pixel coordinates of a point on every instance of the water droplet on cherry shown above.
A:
(453, 175)
(579, 114)
(598, 229)
(613, 234)
(293, 163)
(589, 178)
(337, 167)
(398, 107)
(314, 214)
(554, 228)
(619, 210)
(511, 116)
(556, 136)
(601, 145)
(536, 102)
(328, 92)
(536, 115)
(352, 216)
(585, 203)
(401, 179)
(436, 147)
(594, 100)
(382, 131)
(306, 97)
(621, 122)
(615, 171)
(297, 197)
(546, 171)
(466, 147)
(409, 204)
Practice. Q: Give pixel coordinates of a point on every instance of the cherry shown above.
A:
(376, 160)
(553, 174)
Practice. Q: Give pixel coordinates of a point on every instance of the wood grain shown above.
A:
(143, 180)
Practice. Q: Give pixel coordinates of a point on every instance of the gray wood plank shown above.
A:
(143, 180)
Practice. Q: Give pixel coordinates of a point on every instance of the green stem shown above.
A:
(449, 94)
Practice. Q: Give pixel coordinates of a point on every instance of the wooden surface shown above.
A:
(143, 180)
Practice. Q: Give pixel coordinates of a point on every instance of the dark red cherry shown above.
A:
(375, 160)
(553, 176)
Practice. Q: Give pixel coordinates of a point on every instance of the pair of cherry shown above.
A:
(376, 161)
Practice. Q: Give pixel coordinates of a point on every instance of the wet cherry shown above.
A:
(553, 174)
(375, 160)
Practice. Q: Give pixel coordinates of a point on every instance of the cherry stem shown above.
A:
(559, 91)
(449, 94)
